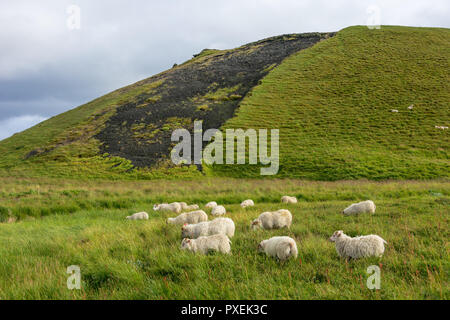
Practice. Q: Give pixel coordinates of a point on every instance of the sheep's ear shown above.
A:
(339, 233)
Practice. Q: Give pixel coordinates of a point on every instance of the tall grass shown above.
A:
(70, 222)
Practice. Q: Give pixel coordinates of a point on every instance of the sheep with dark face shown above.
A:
(358, 247)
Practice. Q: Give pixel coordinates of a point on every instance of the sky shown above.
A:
(56, 54)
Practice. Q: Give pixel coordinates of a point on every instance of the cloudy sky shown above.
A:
(57, 54)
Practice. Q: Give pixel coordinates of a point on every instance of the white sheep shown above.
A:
(174, 207)
(279, 247)
(189, 217)
(273, 220)
(211, 205)
(441, 127)
(191, 207)
(288, 199)
(205, 244)
(217, 226)
(362, 207)
(394, 110)
(358, 247)
(411, 107)
(138, 216)
(247, 203)
(218, 211)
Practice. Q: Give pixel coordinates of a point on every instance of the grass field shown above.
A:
(49, 224)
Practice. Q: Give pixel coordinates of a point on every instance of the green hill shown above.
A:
(331, 100)
(333, 106)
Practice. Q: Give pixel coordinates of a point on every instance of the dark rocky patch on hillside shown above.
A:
(208, 88)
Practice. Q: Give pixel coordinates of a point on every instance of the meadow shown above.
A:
(48, 224)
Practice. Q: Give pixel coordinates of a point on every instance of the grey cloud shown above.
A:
(45, 68)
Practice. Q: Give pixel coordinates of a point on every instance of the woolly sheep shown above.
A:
(411, 107)
(288, 199)
(192, 207)
(211, 205)
(189, 217)
(138, 216)
(205, 244)
(361, 207)
(441, 127)
(247, 203)
(218, 211)
(358, 247)
(394, 110)
(174, 207)
(216, 226)
(279, 247)
(273, 220)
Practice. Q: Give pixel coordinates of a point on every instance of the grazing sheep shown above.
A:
(191, 207)
(174, 207)
(411, 107)
(279, 247)
(273, 220)
(247, 203)
(218, 211)
(217, 226)
(217, 242)
(441, 127)
(211, 205)
(361, 207)
(189, 217)
(138, 216)
(186, 207)
(287, 199)
(394, 110)
(358, 247)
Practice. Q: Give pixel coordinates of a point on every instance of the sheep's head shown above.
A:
(184, 230)
(156, 207)
(256, 224)
(261, 246)
(336, 235)
(186, 243)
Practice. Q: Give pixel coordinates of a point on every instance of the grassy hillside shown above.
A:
(330, 95)
(333, 102)
(63, 222)
(126, 134)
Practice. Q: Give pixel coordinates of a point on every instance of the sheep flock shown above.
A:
(201, 235)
